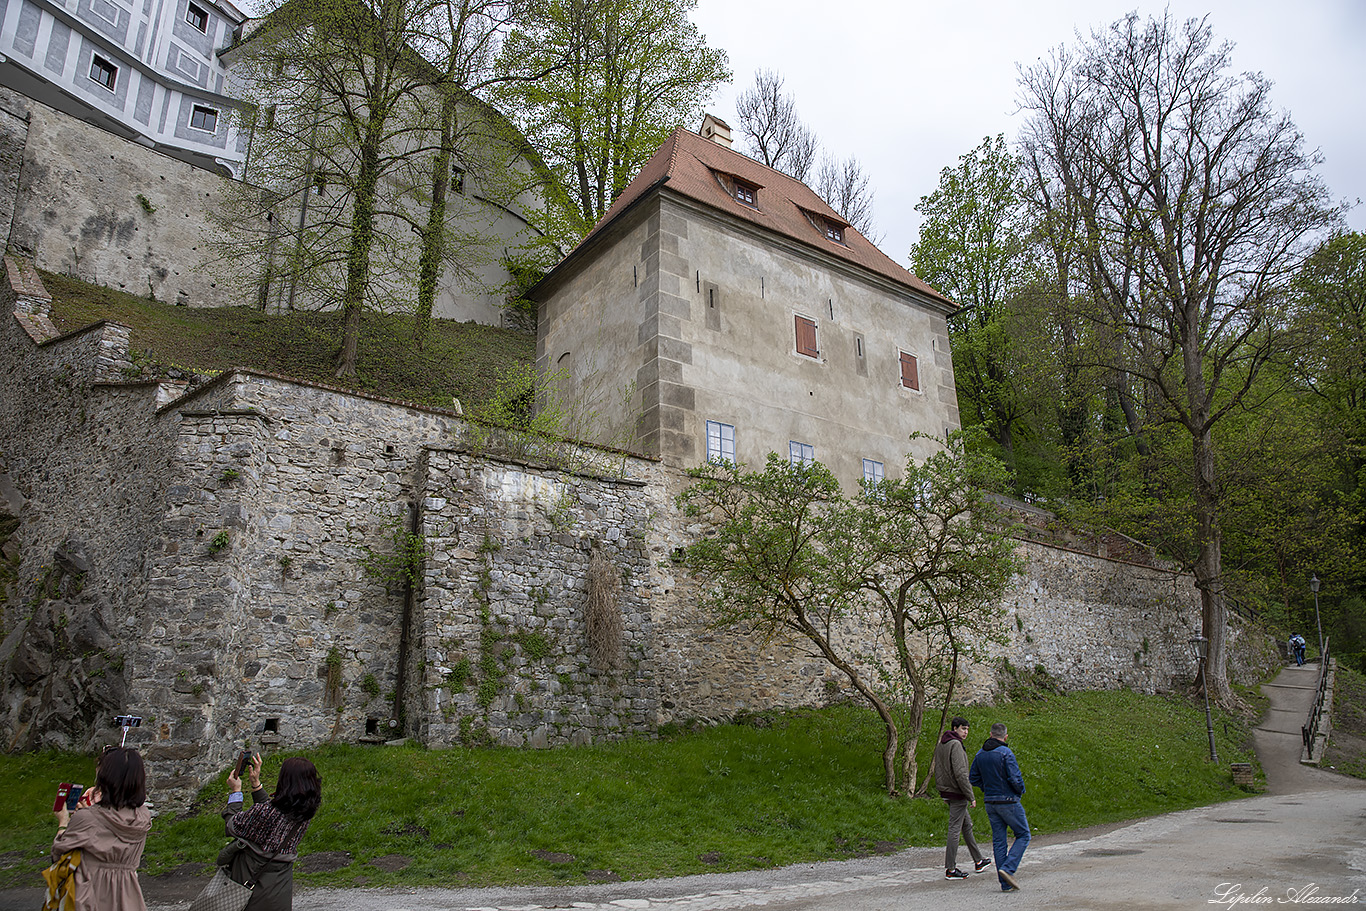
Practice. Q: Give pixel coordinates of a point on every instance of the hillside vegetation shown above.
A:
(460, 361)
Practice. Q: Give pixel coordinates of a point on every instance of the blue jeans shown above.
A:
(1001, 816)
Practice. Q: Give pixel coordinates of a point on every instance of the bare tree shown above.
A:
(845, 185)
(768, 119)
(1195, 203)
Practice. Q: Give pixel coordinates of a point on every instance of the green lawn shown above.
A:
(785, 788)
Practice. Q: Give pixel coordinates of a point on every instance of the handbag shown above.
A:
(222, 894)
(61, 882)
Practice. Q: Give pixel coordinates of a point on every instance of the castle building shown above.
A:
(747, 317)
(147, 72)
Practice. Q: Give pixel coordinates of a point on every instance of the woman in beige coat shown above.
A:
(110, 833)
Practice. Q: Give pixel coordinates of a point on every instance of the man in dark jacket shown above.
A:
(996, 772)
(951, 778)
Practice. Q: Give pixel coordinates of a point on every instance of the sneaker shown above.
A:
(981, 865)
(955, 873)
(1008, 883)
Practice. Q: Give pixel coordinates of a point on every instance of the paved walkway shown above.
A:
(1304, 838)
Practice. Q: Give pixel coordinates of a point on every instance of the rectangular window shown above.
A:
(104, 72)
(873, 472)
(197, 17)
(834, 232)
(806, 337)
(910, 372)
(720, 442)
(800, 453)
(205, 119)
(746, 194)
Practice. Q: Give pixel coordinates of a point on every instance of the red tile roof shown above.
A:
(689, 165)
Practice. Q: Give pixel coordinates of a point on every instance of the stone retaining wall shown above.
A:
(225, 538)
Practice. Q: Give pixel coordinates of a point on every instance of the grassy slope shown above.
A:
(800, 786)
(1346, 751)
(461, 360)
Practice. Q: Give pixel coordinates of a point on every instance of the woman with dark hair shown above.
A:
(268, 834)
(110, 830)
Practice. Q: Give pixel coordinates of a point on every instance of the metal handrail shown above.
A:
(1311, 725)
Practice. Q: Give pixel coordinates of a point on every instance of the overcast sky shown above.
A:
(908, 87)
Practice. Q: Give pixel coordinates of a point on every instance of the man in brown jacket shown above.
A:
(951, 778)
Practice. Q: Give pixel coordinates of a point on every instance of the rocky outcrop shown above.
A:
(62, 676)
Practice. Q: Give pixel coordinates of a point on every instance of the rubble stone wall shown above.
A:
(231, 544)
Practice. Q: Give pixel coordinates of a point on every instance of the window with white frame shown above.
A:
(800, 453)
(720, 442)
(103, 72)
(198, 17)
(873, 472)
(202, 118)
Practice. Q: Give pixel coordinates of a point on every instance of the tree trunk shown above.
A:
(1209, 573)
(358, 253)
(883, 712)
(434, 233)
(924, 789)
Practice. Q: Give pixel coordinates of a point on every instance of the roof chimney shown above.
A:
(715, 129)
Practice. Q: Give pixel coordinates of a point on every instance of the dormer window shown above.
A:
(834, 232)
(747, 194)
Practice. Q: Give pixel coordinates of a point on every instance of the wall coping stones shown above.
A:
(546, 466)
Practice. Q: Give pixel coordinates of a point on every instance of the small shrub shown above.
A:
(146, 204)
(369, 686)
(219, 541)
(535, 644)
(402, 564)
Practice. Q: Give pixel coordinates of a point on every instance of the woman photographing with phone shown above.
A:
(109, 828)
(269, 833)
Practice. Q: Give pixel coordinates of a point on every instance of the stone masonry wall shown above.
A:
(225, 538)
(503, 614)
(76, 210)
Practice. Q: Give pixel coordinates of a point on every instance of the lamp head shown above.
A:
(1314, 584)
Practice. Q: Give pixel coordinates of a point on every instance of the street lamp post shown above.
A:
(1314, 584)
(1200, 646)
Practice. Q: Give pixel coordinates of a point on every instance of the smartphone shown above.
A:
(243, 761)
(62, 790)
(74, 796)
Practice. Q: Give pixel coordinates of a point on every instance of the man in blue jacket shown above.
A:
(996, 772)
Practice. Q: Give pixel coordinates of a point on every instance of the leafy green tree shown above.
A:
(620, 76)
(1195, 202)
(350, 121)
(787, 553)
(973, 248)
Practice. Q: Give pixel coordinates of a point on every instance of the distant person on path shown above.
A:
(951, 778)
(1297, 648)
(109, 828)
(996, 772)
(271, 831)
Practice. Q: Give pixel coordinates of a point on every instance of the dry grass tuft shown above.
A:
(604, 619)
